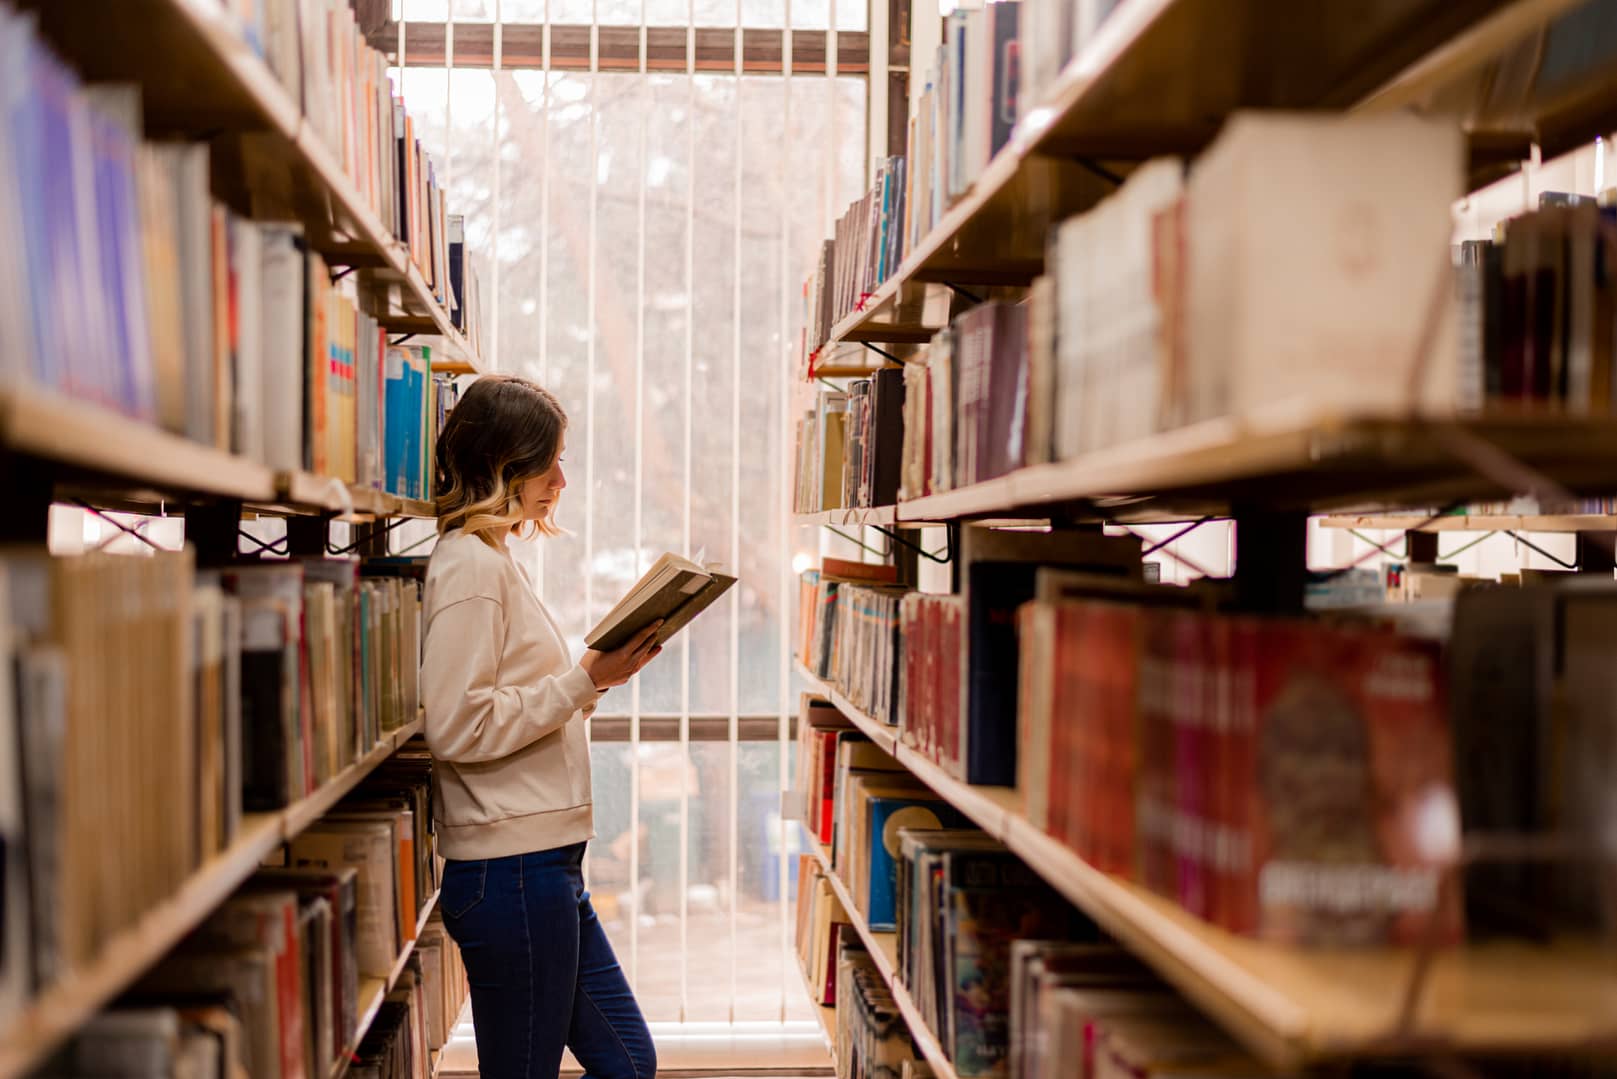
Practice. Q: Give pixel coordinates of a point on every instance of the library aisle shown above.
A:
(1127, 489)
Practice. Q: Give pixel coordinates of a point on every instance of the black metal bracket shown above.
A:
(1531, 546)
(881, 352)
(340, 274)
(1100, 170)
(1179, 535)
(424, 539)
(1384, 548)
(1377, 548)
(263, 546)
(370, 535)
(861, 544)
(942, 558)
(119, 525)
(958, 291)
(401, 339)
(1464, 547)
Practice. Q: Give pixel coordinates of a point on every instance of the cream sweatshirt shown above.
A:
(505, 707)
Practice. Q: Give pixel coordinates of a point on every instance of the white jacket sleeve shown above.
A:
(470, 715)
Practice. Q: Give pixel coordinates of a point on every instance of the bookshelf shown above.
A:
(198, 76)
(53, 1016)
(1294, 1007)
(373, 991)
(1189, 52)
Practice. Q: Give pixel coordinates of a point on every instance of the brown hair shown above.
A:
(503, 431)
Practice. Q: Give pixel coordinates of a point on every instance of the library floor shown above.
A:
(793, 1048)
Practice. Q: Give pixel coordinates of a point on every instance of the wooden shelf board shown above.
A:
(53, 1017)
(1298, 457)
(1293, 1006)
(96, 440)
(318, 492)
(1572, 522)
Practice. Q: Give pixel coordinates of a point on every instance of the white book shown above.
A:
(247, 258)
(17, 344)
(187, 166)
(1318, 250)
(281, 358)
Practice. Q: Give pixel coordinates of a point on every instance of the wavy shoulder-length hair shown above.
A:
(503, 432)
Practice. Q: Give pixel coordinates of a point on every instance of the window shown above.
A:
(645, 223)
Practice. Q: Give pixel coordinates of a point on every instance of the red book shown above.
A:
(1352, 805)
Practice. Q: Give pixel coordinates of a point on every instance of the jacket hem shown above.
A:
(527, 834)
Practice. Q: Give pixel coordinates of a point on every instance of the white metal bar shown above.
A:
(493, 344)
(685, 525)
(783, 507)
(734, 815)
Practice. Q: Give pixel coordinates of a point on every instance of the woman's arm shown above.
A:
(470, 717)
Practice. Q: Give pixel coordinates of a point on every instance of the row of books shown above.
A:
(1151, 316)
(1302, 780)
(871, 1038)
(964, 115)
(858, 630)
(235, 690)
(1051, 33)
(345, 93)
(132, 288)
(1538, 309)
(275, 981)
(848, 445)
(1280, 778)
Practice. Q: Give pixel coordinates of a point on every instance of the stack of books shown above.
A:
(239, 690)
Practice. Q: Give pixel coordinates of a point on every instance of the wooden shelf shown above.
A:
(93, 447)
(1293, 1007)
(883, 949)
(51, 1018)
(1298, 458)
(199, 77)
(373, 991)
(1159, 78)
(1487, 522)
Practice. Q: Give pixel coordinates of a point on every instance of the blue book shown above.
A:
(395, 395)
(889, 813)
(114, 116)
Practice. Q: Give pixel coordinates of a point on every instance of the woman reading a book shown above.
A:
(505, 706)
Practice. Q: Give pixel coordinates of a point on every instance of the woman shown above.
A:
(505, 707)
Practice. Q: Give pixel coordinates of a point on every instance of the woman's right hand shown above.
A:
(608, 669)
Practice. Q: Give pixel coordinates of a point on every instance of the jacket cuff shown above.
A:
(579, 687)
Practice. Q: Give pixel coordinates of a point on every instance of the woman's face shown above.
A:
(540, 494)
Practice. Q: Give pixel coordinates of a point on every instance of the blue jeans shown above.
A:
(542, 972)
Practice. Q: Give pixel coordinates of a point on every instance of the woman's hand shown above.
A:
(608, 669)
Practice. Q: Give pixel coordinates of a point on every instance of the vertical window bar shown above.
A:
(398, 20)
(449, 95)
(493, 359)
(735, 528)
(639, 407)
(544, 246)
(685, 513)
(783, 670)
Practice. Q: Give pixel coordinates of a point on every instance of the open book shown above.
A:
(674, 589)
